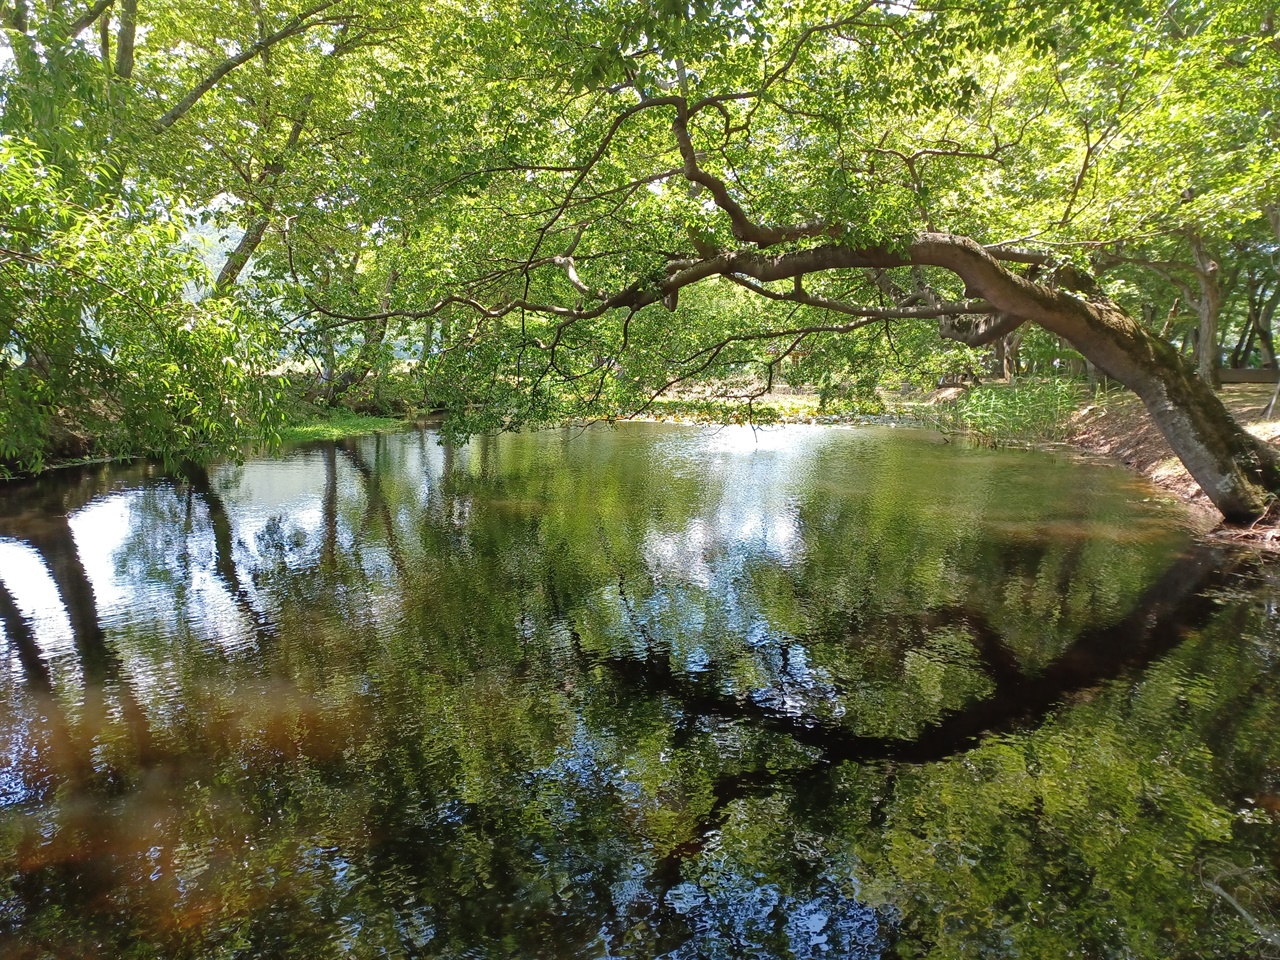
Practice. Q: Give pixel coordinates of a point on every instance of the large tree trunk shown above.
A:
(1236, 470)
(125, 39)
(1263, 315)
(1208, 306)
(375, 334)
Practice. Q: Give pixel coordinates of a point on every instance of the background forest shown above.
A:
(207, 209)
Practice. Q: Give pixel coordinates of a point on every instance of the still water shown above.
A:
(654, 691)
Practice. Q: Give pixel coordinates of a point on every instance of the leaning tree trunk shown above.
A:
(1262, 309)
(1237, 471)
(238, 258)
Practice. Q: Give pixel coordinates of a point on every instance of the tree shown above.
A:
(101, 353)
(1185, 182)
(860, 167)
(511, 198)
(121, 124)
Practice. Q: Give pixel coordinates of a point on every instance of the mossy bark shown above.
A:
(1238, 472)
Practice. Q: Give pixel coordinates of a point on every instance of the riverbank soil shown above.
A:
(1120, 428)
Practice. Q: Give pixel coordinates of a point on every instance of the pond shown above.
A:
(641, 692)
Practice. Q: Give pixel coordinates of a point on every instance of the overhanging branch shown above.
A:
(932, 312)
(87, 19)
(301, 23)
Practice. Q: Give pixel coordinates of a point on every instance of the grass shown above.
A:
(773, 408)
(337, 424)
(1030, 411)
(715, 410)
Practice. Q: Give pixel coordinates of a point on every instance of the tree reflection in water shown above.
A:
(635, 693)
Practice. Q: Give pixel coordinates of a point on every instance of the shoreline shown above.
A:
(1119, 429)
(1114, 428)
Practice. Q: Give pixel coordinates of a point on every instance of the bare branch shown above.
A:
(743, 227)
(595, 158)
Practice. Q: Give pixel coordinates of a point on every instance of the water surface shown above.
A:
(653, 691)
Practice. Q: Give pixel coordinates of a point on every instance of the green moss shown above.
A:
(336, 425)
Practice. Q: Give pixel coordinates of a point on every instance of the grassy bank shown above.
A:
(1023, 412)
(335, 424)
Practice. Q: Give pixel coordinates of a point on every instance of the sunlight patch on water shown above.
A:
(99, 529)
(27, 578)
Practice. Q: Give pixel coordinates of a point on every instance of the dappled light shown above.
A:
(569, 694)
(602, 479)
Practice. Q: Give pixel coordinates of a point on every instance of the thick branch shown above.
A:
(14, 16)
(981, 331)
(87, 19)
(571, 272)
(930, 312)
(1235, 469)
(1017, 254)
(239, 257)
(299, 24)
(125, 38)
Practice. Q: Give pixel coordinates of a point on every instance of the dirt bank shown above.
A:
(1120, 428)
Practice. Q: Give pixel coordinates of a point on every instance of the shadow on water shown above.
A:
(644, 693)
(1180, 602)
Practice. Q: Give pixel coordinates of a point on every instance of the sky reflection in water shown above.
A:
(647, 692)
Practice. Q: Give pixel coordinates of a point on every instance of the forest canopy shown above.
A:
(525, 213)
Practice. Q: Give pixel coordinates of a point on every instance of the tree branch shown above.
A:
(585, 169)
(744, 228)
(299, 24)
(87, 19)
(125, 38)
(931, 312)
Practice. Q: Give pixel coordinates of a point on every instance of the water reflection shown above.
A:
(636, 693)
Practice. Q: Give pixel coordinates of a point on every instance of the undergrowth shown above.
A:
(1029, 411)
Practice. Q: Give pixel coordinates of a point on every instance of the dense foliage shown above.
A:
(103, 354)
(483, 211)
